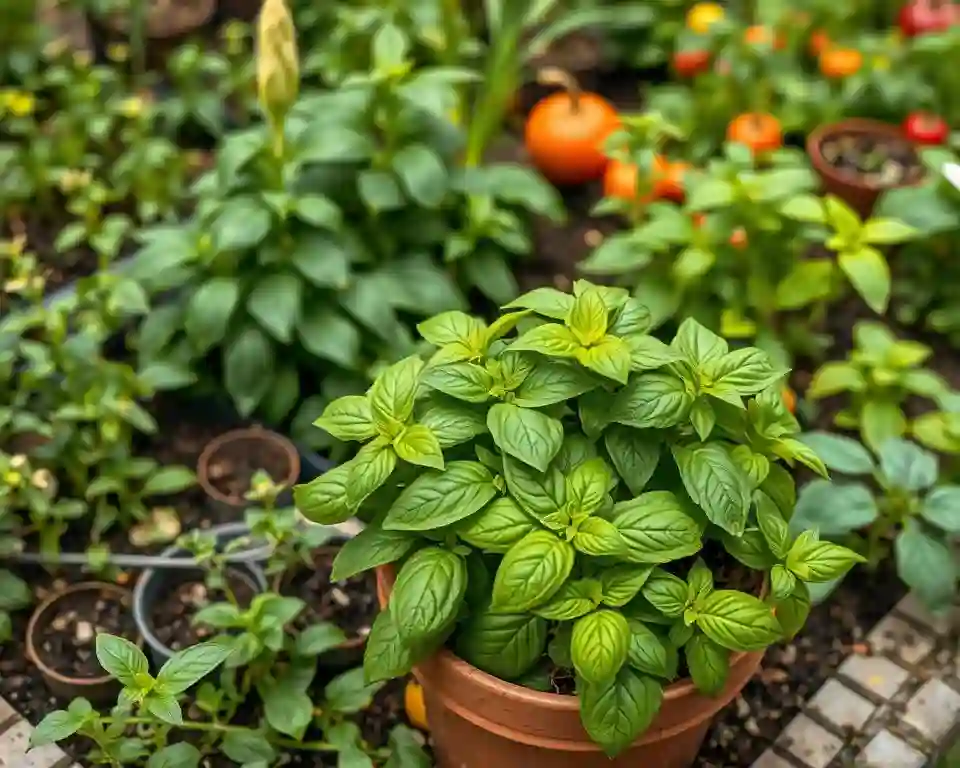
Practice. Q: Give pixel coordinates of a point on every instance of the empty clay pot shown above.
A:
(478, 720)
(854, 191)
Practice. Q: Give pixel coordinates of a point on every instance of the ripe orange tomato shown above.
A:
(620, 180)
(790, 399)
(739, 238)
(819, 42)
(690, 63)
(564, 136)
(838, 63)
(759, 34)
(414, 705)
(670, 185)
(759, 131)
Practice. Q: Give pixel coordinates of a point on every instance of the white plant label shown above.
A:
(952, 173)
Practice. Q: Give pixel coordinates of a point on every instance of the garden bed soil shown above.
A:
(58, 269)
(66, 642)
(350, 604)
(172, 615)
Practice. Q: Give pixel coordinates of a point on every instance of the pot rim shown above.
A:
(245, 433)
(113, 591)
(861, 126)
(555, 701)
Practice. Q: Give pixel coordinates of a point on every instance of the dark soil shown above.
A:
(792, 672)
(351, 604)
(877, 161)
(172, 615)
(65, 641)
(232, 466)
(58, 268)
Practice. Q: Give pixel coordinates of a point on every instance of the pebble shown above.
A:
(340, 597)
(751, 727)
(83, 632)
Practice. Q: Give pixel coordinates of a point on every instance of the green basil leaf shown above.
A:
(647, 652)
(599, 645)
(187, 667)
(841, 454)
(738, 621)
(417, 444)
(792, 611)
(881, 420)
(703, 418)
(782, 582)
(869, 274)
(451, 328)
(656, 529)
(634, 453)
(750, 548)
(699, 581)
(717, 485)
(781, 489)
(551, 339)
(464, 381)
(774, 528)
(545, 301)
(369, 470)
(709, 664)
(621, 583)
(834, 509)
(348, 418)
(500, 525)
(609, 357)
(907, 466)
(599, 538)
(540, 493)
(453, 423)
(942, 508)
(437, 499)
(393, 394)
(755, 466)
(573, 600)
(816, 561)
(370, 548)
(587, 486)
(615, 712)
(648, 353)
(386, 655)
(746, 371)
(248, 748)
(653, 401)
(180, 755)
(122, 659)
(630, 319)
(324, 499)
(666, 592)
(531, 572)
(588, 318)
(503, 644)
(551, 382)
(926, 564)
(428, 594)
(697, 344)
(530, 436)
(275, 304)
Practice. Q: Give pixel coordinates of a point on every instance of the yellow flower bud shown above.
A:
(278, 70)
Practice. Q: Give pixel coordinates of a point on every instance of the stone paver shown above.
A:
(14, 754)
(810, 742)
(912, 607)
(933, 710)
(841, 706)
(895, 636)
(876, 674)
(7, 713)
(887, 751)
(771, 760)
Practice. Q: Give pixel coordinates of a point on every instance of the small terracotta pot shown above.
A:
(244, 10)
(478, 720)
(245, 440)
(96, 689)
(853, 191)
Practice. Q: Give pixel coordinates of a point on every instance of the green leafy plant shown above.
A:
(543, 494)
(143, 727)
(879, 375)
(890, 503)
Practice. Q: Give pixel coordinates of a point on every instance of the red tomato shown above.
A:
(921, 17)
(926, 128)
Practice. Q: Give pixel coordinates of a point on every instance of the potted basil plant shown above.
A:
(581, 532)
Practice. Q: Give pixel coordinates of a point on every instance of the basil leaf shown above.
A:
(647, 652)
(599, 646)
(621, 583)
(792, 611)
(370, 548)
(588, 318)
(834, 509)
(648, 353)
(653, 401)
(598, 537)
(634, 453)
(666, 592)
(348, 418)
(550, 382)
(656, 529)
(450, 328)
(530, 436)
(453, 423)
(782, 582)
(386, 655)
(750, 549)
(324, 499)
(464, 381)
(531, 572)
(437, 499)
(942, 508)
(926, 564)
(503, 644)
(697, 344)
(717, 485)
(907, 466)
(746, 371)
(369, 469)
(615, 712)
(587, 486)
(841, 454)
(609, 357)
(496, 528)
(816, 561)
(393, 394)
(427, 595)
(552, 340)
(573, 600)
(774, 528)
(545, 301)
(709, 664)
(417, 444)
(738, 621)
(539, 493)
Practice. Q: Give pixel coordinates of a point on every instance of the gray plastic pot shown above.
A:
(154, 583)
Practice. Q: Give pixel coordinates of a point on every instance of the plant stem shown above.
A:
(192, 725)
(561, 79)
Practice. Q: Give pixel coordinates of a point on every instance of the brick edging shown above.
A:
(898, 707)
(15, 738)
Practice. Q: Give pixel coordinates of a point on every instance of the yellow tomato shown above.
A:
(703, 16)
(414, 705)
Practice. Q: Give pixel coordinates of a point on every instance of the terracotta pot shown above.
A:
(478, 720)
(858, 195)
(99, 689)
(244, 10)
(246, 442)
